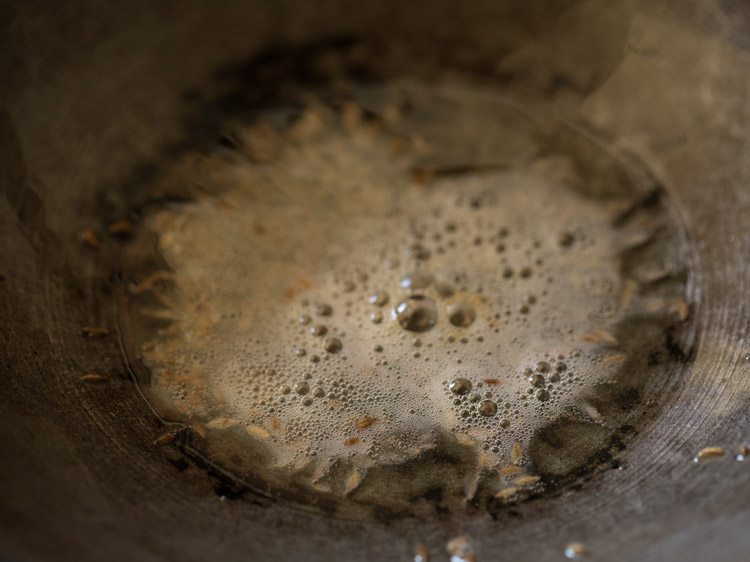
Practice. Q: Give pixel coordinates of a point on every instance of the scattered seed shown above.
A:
(352, 482)
(526, 480)
(629, 287)
(708, 453)
(308, 125)
(121, 228)
(165, 438)
(506, 493)
(221, 423)
(509, 470)
(258, 432)
(352, 441)
(516, 452)
(351, 115)
(461, 549)
(364, 423)
(421, 554)
(601, 337)
(151, 280)
(89, 237)
(422, 176)
(198, 430)
(653, 276)
(262, 141)
(616, 358)
(93, 378)
(682, 309)
(575, 550)
(94, 331)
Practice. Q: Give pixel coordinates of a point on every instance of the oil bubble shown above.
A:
(332, 345)
(487, 408)
(418, 252)
(461, 315)
(542, 367)
(378, 298)
(323, 309)
(537, 380)
(460, 386)
(417, 313)
(566, 239)
(319, 330)
(419, 279)
(444, 289)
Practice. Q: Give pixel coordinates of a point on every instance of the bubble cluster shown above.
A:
(394, 313)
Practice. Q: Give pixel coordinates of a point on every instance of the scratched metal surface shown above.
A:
(93, 98)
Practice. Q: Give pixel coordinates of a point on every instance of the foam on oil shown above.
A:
(371, 310)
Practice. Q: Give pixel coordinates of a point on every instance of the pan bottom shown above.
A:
(408, 299)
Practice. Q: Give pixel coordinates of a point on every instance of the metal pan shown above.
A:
(97, 99)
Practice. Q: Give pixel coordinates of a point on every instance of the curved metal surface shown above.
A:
(94, 98)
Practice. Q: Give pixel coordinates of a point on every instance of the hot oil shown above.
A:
(452, 306)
